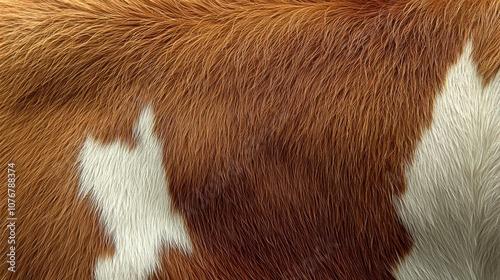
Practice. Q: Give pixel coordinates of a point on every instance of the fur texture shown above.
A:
(452, 203)
(288, 129)
(130, 190)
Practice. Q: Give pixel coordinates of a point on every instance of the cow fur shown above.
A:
(288, 131)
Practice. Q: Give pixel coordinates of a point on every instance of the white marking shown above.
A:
(452, 203)
(130, 190)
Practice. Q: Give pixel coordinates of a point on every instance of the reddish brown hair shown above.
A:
(286, 125)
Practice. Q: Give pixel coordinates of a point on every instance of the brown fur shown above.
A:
(286, 125)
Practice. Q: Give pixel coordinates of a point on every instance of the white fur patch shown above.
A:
(452, 203)
(129, 188)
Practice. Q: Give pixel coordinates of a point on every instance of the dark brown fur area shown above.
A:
(286, 125)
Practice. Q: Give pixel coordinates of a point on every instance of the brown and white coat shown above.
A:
(251, 139)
